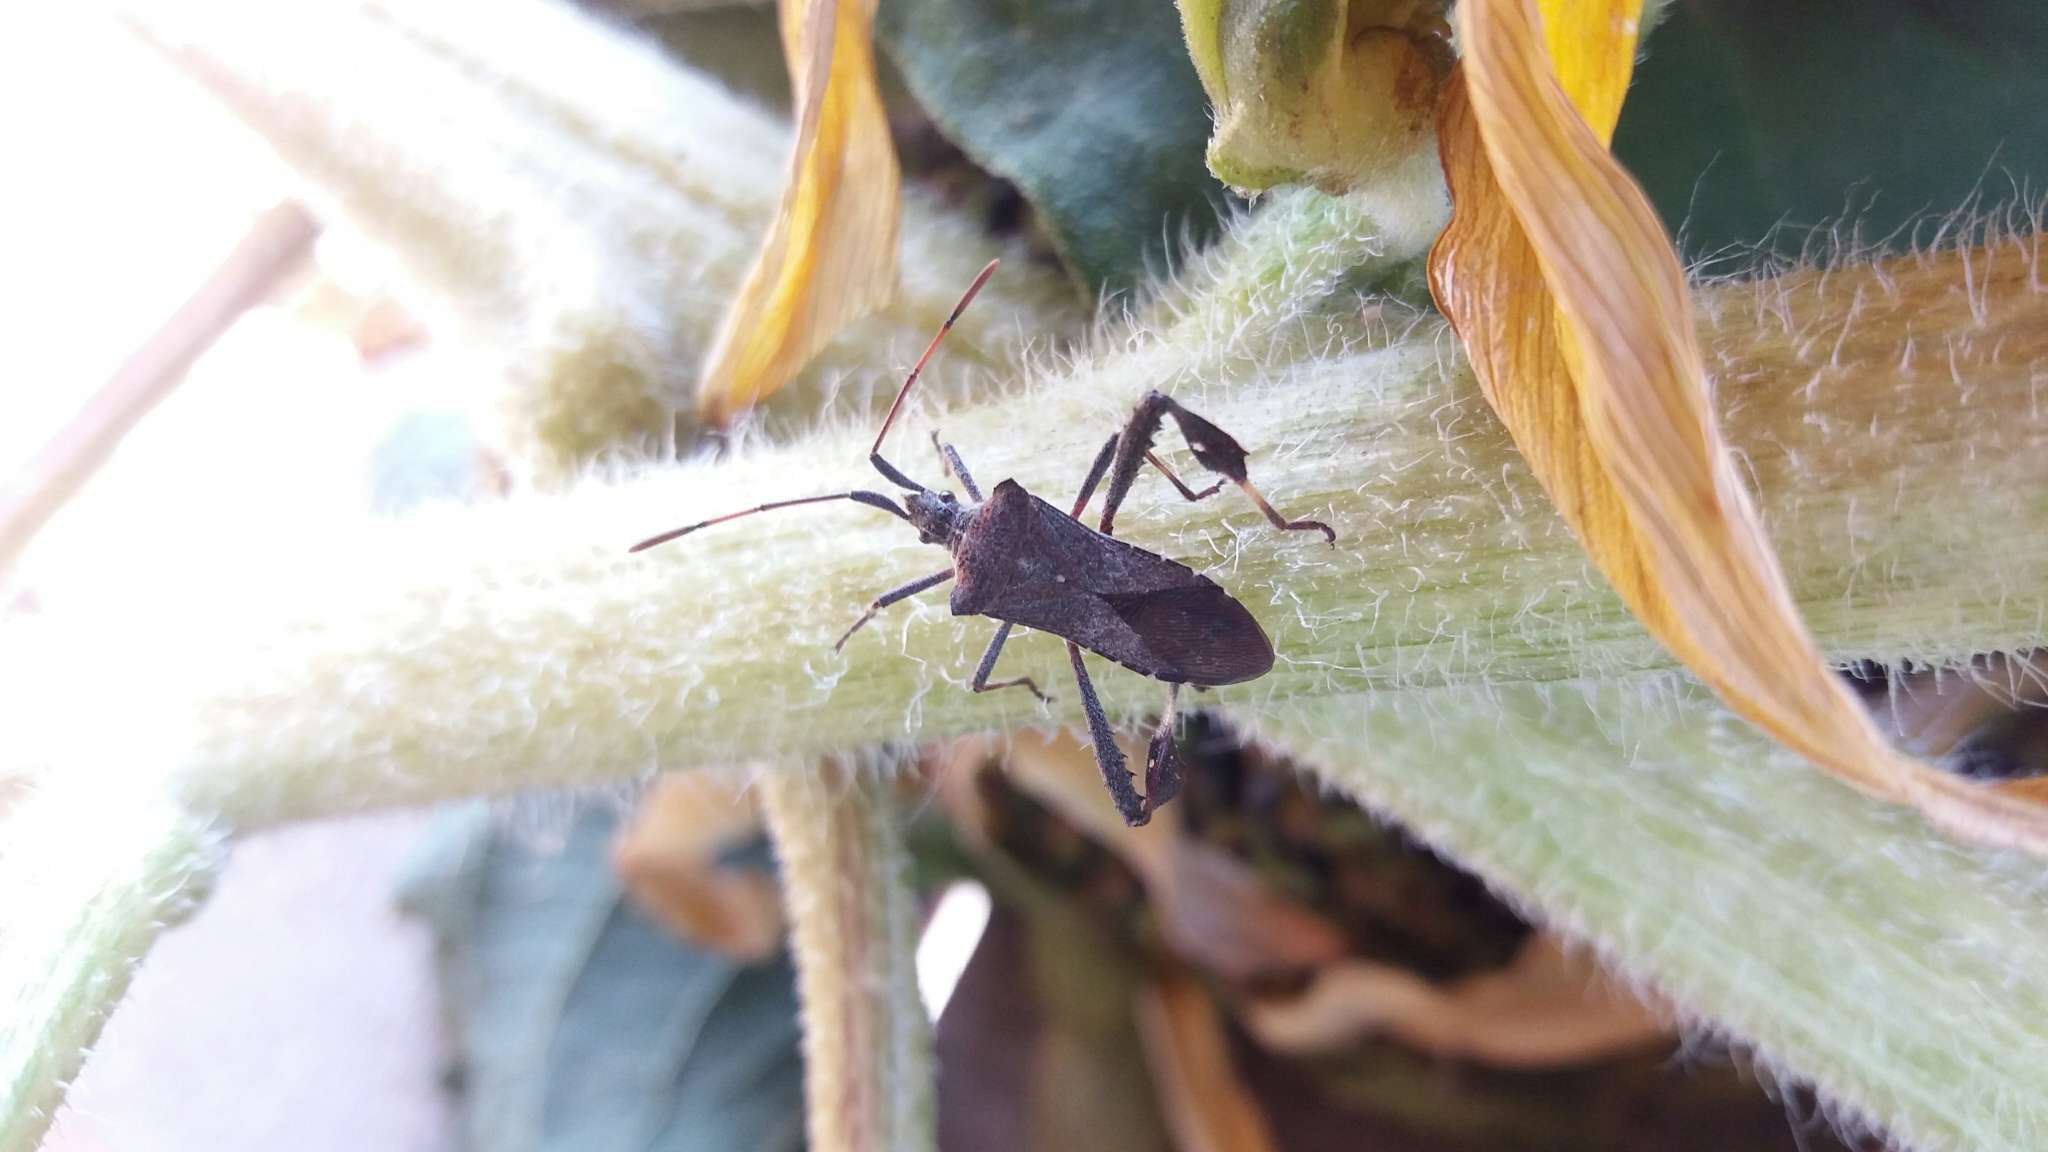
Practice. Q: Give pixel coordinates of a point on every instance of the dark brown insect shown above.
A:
(1019, 560)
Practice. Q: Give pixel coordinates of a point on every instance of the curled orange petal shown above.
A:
(1573, 309)
(830, 257)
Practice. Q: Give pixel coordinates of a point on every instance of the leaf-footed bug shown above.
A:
(1020, 560)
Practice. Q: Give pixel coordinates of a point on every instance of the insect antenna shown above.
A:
(871, 499)
(894, 475)
(875, 453)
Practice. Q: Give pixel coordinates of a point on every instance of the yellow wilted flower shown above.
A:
(830, 257)
(1573, 309)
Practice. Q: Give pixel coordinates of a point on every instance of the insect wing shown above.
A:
(1200, 633)
(1032, 564)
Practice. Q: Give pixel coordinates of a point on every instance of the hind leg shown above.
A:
(1108, 757)
(1213, 448)
(1162, 767)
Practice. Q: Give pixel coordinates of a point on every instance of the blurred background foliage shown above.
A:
(1755, 120)
(577, 1021)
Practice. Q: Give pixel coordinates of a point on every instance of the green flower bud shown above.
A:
(1323, 92)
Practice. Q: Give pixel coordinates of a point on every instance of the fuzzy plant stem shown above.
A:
(853, 926)
(518, 646)
(89, 877)
(1895, 971)
(570, 205)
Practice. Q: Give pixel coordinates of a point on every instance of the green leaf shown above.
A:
(1091, 107)
(1748, 113)
(580, 1023)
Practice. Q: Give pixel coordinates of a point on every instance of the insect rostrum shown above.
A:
(1019, 560)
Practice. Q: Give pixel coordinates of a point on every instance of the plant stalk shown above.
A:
(519, 646)
(853, 926)
(89, 877)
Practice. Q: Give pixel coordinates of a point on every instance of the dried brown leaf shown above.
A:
(1214, 911)
(1551, 1008)
(668, 860)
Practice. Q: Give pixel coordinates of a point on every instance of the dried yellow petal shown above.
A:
(1573, 308)
(830, 257)
(1592, 50)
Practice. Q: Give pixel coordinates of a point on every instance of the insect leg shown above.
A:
(988, 665)
(1162, 767)
(1187, 493)
(950, 464)
(1095, 472)
(1213, 448)
(1108, 756)
(1133, 444)
(1282, 522)
(891, 597)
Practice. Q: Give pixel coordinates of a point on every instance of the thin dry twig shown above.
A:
(277, 244)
